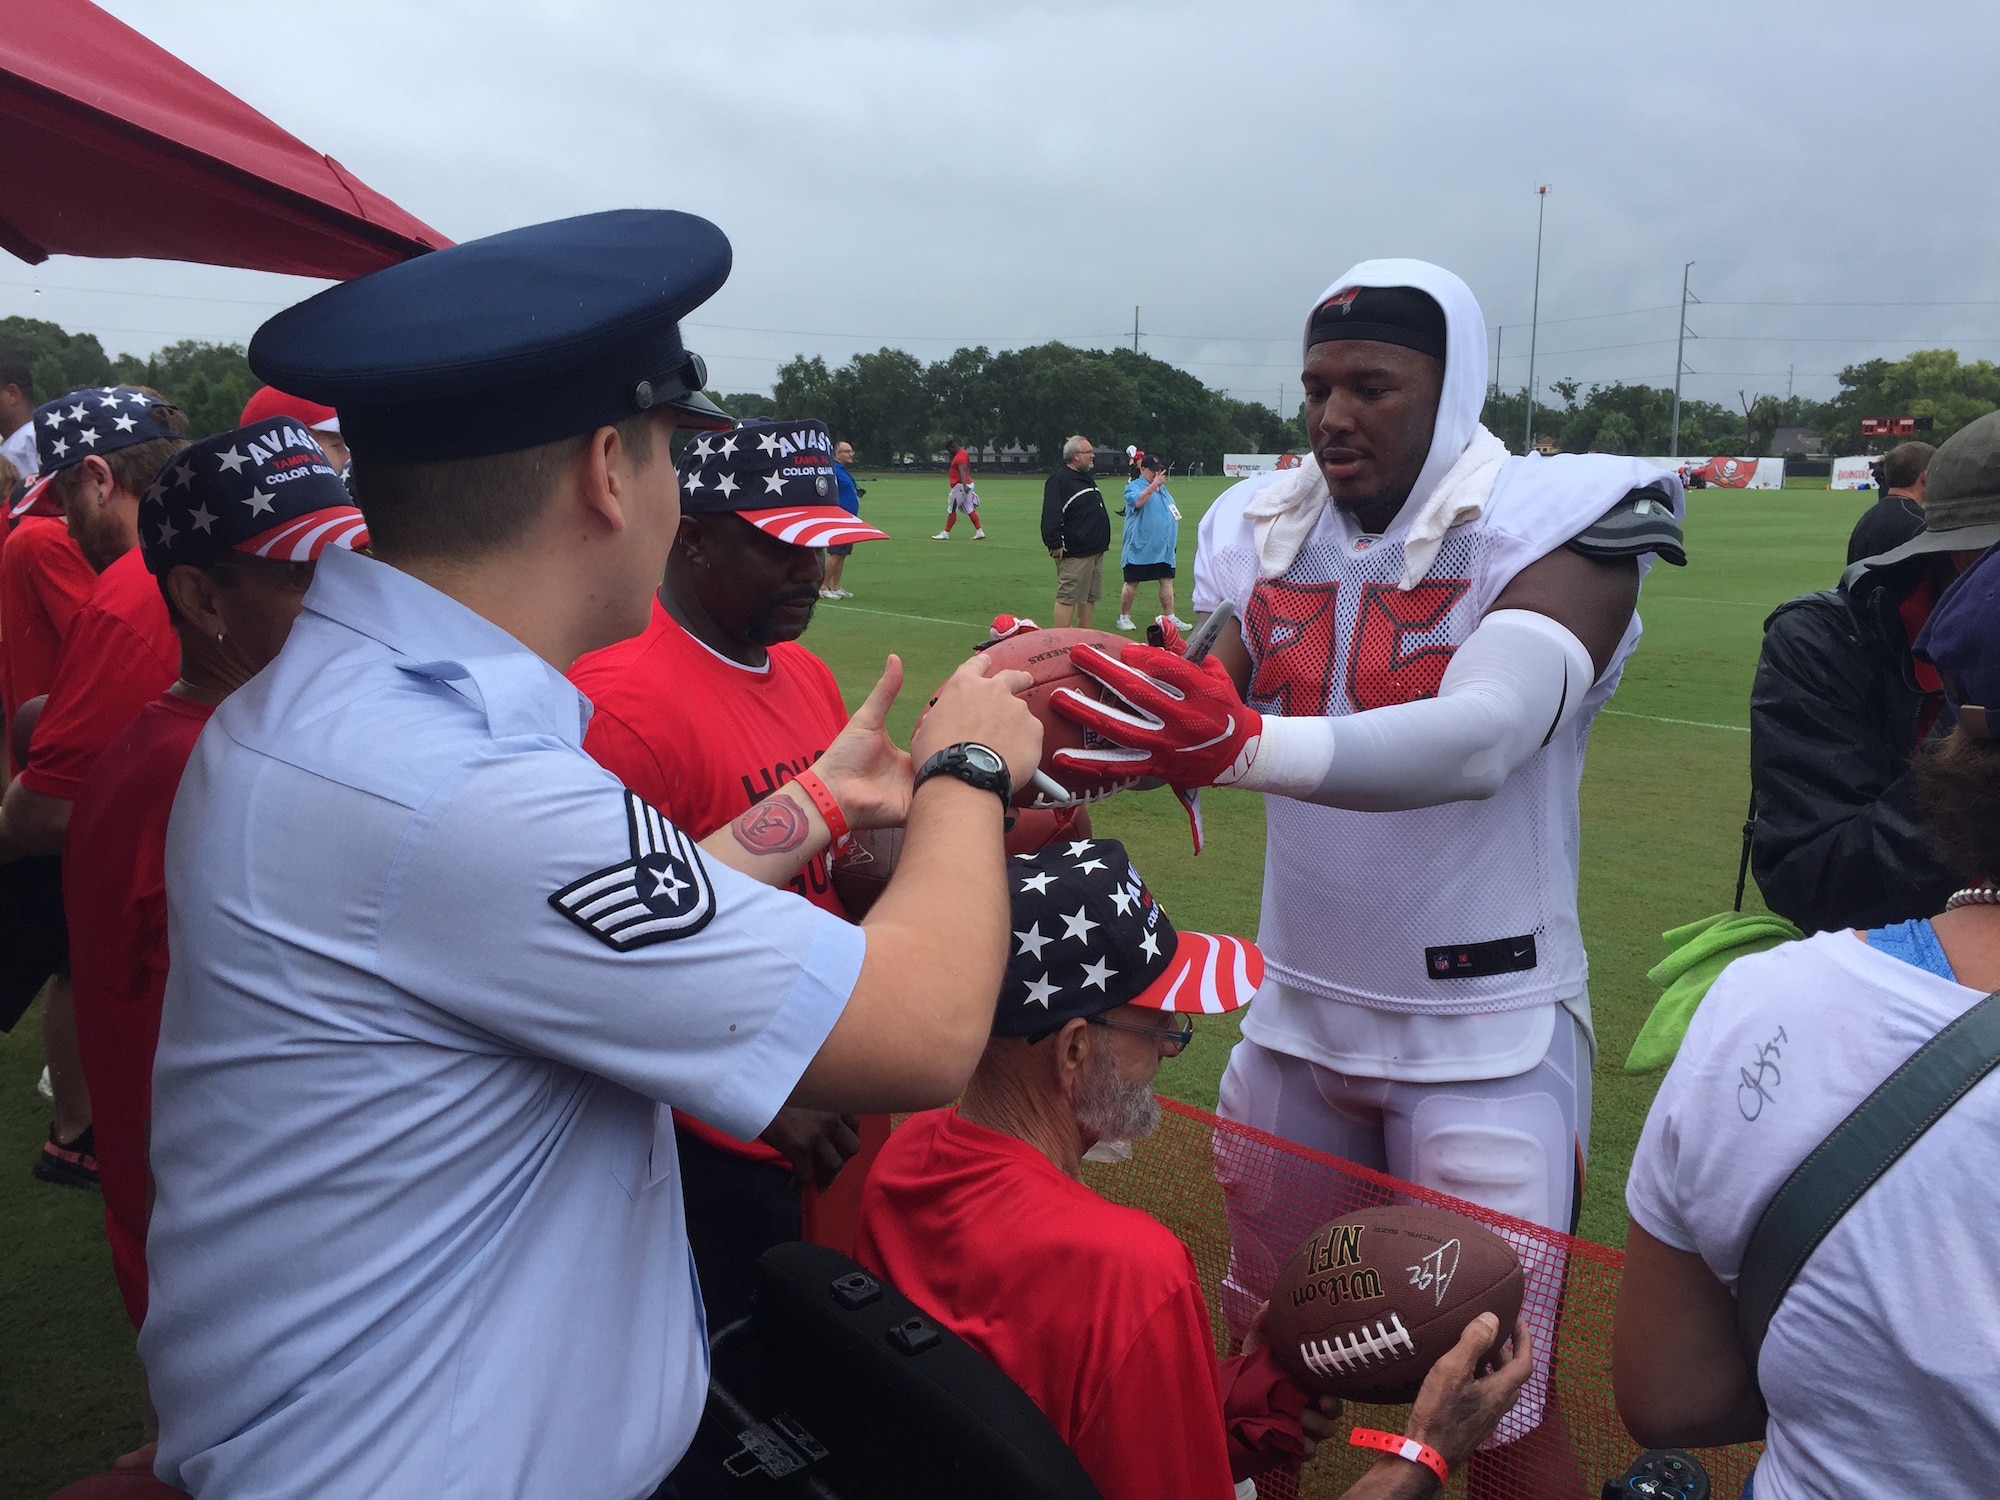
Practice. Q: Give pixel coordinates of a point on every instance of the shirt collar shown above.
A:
(436, 637)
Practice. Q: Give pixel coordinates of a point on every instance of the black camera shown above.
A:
(1663, 1474)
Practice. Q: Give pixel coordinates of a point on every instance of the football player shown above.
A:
(1425, 628)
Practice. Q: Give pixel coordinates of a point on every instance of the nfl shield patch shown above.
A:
(662, 892)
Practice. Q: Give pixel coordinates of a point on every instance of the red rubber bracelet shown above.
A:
(1402, 1447)
(836, 821)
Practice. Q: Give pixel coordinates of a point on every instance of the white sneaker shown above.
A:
(829, 593)
(842, 594)
(979, 534)
(1183, 626)
(1125, 623)
(942, 536)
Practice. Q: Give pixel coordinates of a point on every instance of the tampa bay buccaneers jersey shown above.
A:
(1459, 909)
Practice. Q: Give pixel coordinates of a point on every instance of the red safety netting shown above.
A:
(1215, 1183)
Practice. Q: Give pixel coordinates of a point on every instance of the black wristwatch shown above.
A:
(972, 763)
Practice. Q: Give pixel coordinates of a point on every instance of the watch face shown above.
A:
(982, 759)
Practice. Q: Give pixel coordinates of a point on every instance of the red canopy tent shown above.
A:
(111, 146)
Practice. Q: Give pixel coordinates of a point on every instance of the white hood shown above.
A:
(1462, 451)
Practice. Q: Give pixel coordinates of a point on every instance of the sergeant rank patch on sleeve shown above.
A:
(661, 893)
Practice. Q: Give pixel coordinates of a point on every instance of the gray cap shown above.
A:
(1961, 495)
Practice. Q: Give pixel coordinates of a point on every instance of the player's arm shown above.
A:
(1678, 1369)
(920, 1012)
(1520, 677)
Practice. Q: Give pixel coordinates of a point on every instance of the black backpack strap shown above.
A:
(1850, 1160)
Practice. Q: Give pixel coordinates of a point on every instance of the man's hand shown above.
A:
(1058, 553)
(1458, 1407)
(868, 776)
(1186, 724)
(817, 1144)
(973, 705)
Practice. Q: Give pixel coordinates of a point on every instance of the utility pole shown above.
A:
(1535, 326)
(1680, 343)
(1499, 343)
(1790, 371)
(1135, 330)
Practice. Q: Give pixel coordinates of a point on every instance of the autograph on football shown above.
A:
(1436, 1270)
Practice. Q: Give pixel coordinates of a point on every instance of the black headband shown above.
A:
(1385, 314)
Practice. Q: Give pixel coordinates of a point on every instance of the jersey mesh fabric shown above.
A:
(1352, 899)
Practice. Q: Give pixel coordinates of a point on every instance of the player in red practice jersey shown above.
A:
(708, 711)
(977, 1215)
(44, 581)
(232, 589)
(99, 446)
(961, 497)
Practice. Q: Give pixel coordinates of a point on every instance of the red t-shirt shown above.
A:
(115, 896)
(121, 653)
(960, 471)
(702, 738)
(1094, 1310)
(44, 581)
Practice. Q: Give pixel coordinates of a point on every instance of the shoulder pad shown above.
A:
(1641, 522)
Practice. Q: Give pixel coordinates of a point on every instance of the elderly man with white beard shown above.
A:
(978, 1215)
(1425, 628)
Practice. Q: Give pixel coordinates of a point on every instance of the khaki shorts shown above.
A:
(1080, 580)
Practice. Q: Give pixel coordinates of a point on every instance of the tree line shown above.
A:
(891, 405)
(210, 382)
(1621, 418)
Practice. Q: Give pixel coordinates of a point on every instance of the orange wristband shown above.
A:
(1402, 1447)
(836, 821)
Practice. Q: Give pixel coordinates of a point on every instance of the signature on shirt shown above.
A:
(1754, 1092)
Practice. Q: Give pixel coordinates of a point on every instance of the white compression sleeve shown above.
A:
(1519, 677)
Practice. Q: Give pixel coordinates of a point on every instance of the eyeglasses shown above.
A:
(1171, 1040)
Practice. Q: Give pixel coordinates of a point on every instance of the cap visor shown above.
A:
(696, 413)
(1959, 539)
(813, 526)
(1209, 976)
(303, 538)
(30, 504)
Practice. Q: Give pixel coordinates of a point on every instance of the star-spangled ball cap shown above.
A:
(265, 490)
(508, 342)
(1962, 640)
(1090, 937)
(96, 420)
(778, 476)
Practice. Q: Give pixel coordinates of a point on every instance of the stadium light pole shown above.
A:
(1535, 325)
(1680, 344)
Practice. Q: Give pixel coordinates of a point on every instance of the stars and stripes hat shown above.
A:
(97, 419)
(265, 489)
(778, 476)
(1089, 937)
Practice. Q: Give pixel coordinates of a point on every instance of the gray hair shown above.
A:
(1074, 446)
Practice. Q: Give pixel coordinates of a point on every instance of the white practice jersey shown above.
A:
(1377, 908)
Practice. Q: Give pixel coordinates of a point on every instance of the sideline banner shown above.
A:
(1236, 465)
(1728, 473)
(1853, 473)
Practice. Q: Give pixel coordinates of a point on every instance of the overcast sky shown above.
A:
(931, 175)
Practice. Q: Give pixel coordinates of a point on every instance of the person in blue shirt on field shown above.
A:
(1152, 531)
(849, 496)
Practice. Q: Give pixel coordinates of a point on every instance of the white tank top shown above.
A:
(1352, 900)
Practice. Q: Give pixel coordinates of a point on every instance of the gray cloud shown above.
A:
(927, 175)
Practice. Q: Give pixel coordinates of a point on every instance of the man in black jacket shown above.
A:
(1076, 528)
(1899, 514)
(1839, 707)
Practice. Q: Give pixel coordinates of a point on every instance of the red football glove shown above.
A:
(1186, 724)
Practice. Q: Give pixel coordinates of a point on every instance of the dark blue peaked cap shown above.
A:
(508, 342)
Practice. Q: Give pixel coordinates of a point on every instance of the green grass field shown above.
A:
(1663, 801)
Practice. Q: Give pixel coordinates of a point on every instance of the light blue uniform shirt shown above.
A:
(418, 1229)
(1151, 530)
